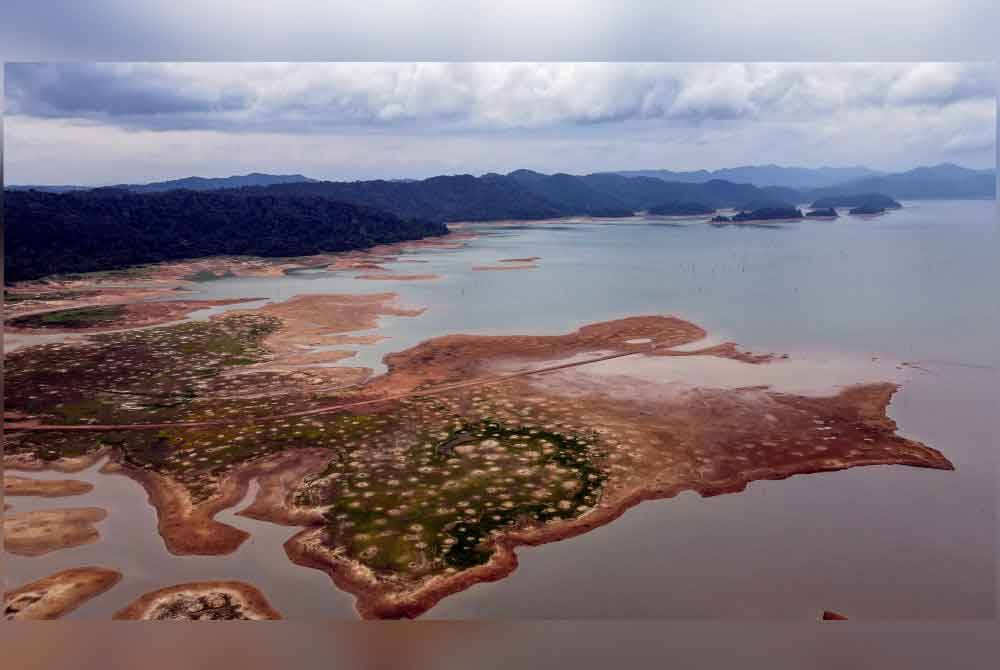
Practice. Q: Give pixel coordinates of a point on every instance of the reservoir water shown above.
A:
(917, 285)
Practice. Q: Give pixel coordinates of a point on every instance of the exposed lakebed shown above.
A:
(883, 542)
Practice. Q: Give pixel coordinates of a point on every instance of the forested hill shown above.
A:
(103, 229)
(524, 194)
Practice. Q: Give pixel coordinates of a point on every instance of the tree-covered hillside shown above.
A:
(524, 194)
(49, 233)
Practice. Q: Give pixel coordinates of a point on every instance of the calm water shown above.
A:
(918, 284)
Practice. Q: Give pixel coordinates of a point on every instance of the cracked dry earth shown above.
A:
(421, 482)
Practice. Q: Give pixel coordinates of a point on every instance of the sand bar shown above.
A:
(58, 594)
(41, 532)
(201, 601)
(14, 485)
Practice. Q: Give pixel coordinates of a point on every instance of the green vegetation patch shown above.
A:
(434, 505)
(208, 275)
(79, 317)
(139, 375)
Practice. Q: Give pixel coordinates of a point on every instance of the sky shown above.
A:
(105, 123)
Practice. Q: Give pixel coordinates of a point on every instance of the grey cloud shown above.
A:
(105, 123)
(108, 91)
(307, 97)
(729, 30)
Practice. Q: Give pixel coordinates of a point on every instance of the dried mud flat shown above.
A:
(310, 321)
(58, 594)
(201, 601)
(114, 316)
(141, 283)
(45, 531)
(14, 485)
(501, 268)
(421, 482)
(711, 441)
(396, 277)
(525, 263)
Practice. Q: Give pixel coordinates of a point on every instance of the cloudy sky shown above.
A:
(111, 123)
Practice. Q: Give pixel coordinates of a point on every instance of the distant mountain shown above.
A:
(642, 193)
(445, 198)
(764, 175)
(766, 203)
(215, 183)
(571, 193)
(104, 229)
(524, 194)
(47, 188)
(680, 208)
(923, 183)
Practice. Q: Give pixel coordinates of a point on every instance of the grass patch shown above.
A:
(80, 317)
(422, 509)
(208, 275)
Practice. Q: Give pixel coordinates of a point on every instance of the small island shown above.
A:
(58, 594)
(201, 601)
(868, 210)
(866, 200)
(761, 214)
(680, 208)
(824, 213)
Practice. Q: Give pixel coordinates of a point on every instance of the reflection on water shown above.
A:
(916, 285)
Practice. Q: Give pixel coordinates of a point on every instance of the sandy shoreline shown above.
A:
(141, 290)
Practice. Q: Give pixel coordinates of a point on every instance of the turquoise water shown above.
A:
(918, 284)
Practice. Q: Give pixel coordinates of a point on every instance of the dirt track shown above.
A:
(444, 388)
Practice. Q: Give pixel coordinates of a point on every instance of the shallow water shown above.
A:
(916, 285)
(129, 542)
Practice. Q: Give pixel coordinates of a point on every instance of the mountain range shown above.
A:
(939, 181)
(765, 175)
(79, 230)
(525, 194)
(189, 183)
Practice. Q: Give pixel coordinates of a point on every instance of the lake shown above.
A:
(917, 285)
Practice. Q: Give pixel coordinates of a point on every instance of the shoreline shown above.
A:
(147, 285)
